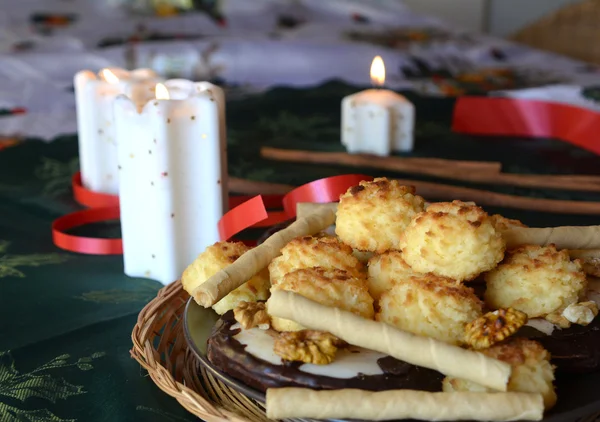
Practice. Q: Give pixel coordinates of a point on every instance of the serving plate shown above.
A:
(578, 395)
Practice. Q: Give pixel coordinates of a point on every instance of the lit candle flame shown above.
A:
(109, 76)
(378, 71)
(161, 92)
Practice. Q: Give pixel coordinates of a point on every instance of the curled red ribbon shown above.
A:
(516, 117)
(241, 217)
(321, 191)
(253, 212)
(89, 198)
(245, 212)
(87, 245)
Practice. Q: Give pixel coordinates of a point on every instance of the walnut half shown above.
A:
(581, 313)
(252, 314)
(307, 346)
(494, 327)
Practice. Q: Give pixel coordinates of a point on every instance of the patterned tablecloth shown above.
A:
(254, 45)
(66, 318)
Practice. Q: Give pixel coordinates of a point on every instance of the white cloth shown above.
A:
(333, 39)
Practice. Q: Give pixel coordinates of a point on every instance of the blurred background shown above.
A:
(433, 47)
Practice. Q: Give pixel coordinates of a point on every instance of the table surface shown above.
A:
(67, 318)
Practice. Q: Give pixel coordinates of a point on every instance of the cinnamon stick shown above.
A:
(254, 187)
(482, 197)
(456, 170)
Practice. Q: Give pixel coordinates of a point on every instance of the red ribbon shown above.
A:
(89, 198)
(105, 207)
(242, 217)
(515, 117)
(321, 191)
(87, 245)
(245, 212)
(253, 212)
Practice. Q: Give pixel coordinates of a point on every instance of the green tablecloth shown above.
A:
(66, 318)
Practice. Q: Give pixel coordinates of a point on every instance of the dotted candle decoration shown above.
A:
(97, 141)
(171, 156)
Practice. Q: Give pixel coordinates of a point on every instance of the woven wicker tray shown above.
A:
(159, 346)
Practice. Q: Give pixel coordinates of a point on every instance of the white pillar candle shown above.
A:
(172, 182)
(377, 121)
(97, 142)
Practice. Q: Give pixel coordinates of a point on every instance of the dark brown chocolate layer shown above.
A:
(228, 354)
(573, 350)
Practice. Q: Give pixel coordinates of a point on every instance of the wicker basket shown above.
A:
(571, 31)
(160, 347)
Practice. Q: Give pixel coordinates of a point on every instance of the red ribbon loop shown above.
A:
(89, 198)
(241, 217)
(253, 213)
(516, 117)
(245, 212)
(324, 190)
(87, 245)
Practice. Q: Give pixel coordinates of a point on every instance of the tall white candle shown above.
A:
(377, 121)
(172, 184)
(97, 142)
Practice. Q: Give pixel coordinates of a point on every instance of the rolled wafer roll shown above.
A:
(402, 404)
(250, 263)
(304, 209)
(421, 351)
(566, 237)
(584, 253)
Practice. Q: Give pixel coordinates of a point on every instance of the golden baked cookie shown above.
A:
(330, 287)
(215, 258)
(452, 239)
(373, 215)
(385, 270)
(310, 251)
(537, 280)
(532, 371)
(502, 223)
(430, 306)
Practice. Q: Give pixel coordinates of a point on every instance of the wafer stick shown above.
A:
(421, 351)
(304, 209)
(402, 404)
(252, 262)
(584, 253)
(566, 237)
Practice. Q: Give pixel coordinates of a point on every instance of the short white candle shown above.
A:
(377, 121)
(97, 142)
(172, 184)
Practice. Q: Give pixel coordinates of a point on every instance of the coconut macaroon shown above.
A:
(330, 287)
(311, 251)
(502, 223)
(373, 215)
(532, 371)
(452, 239)
(385, 271)
(431, 306)
(537, 280)
(215, 258)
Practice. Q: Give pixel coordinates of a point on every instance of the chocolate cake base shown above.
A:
(574, 350)
(230, 355)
